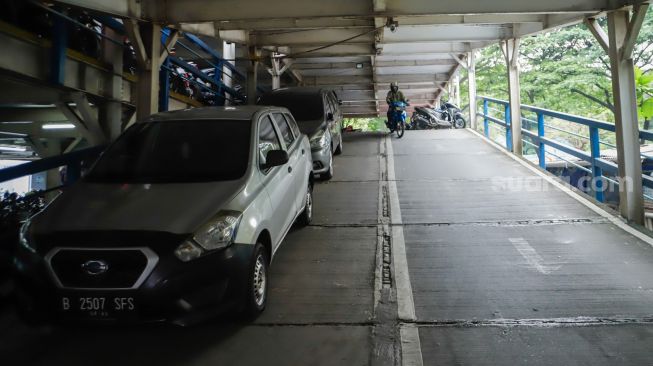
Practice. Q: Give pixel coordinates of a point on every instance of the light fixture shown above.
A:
(359, 65)
(392, 24)
(58, 126)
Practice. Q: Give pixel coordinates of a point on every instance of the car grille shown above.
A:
(317, 165)
(121, 268)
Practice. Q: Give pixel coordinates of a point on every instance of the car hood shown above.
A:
(309, 128)
(174, 208)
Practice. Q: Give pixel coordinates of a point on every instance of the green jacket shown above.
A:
(395, 97)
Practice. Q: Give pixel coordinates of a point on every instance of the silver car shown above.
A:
(179, 218)
(318, 114)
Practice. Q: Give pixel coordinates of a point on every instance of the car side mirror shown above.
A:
(329, 116)
(275, 158)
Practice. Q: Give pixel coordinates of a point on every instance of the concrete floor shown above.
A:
(501, 271)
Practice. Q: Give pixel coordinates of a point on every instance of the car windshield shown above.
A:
(304, 107)
(176, 151)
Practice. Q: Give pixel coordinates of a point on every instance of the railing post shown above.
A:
(541, 152)
(597, 172)
(219, 95)
(508, 128)
(73, 172)
(486, 125)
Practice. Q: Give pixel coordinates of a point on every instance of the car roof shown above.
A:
(245, 112)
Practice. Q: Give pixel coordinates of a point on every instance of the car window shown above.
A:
(284, 128)
(293, 124)
(267, 139)
(327, 105)
(334, 101)
(176, 152)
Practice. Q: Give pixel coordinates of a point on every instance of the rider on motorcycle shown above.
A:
(394, 95)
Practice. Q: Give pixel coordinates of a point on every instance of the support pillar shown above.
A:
(164, 86)
(276, 73)
(622, 33)
(149, 54)
(252, 77)
(511, 53)
(456, 88)
(45, 149)
(229, 55)
(110, 112)
(471, 82)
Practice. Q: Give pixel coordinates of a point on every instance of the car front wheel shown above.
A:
(307, 215)
(257, 289)
(329, 173)
(339, 148)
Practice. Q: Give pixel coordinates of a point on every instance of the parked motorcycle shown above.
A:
(398, 116)
(455, 114)
(447, 116)
(426, 119)
(14, 210)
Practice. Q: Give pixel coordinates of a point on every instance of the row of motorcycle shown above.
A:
(448, 115)
(14, 209)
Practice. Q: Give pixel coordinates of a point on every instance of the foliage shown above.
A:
(365, 124)
(644, 83)
(568, 71)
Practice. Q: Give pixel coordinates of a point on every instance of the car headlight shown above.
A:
(24, 236)
(319, 140)
(217, 234)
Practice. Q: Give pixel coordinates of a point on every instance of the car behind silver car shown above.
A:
(318, 114)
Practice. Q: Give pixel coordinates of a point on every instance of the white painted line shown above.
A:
(378, 271)
(405, 304)
(578, 197)
(532, 257)
(411, 349)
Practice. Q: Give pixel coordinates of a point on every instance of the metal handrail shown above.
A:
(599, 166)
(71, 160)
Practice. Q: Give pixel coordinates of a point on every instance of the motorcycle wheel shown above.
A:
(400, 130)
(459, 123)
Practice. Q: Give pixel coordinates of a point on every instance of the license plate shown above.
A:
(98, 306)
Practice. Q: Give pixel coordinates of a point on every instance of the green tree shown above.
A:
(567, 70)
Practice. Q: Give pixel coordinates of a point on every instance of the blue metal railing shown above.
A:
(599, 167)
(72, 161)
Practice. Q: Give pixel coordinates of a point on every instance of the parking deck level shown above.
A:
(501, 271)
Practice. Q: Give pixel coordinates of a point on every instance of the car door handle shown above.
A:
(303, 151)
(289, 169)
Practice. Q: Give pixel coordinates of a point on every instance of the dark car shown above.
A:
(317, 111)
(179, 219)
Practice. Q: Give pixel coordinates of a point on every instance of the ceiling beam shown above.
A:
(201, 10)
(340, 22)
